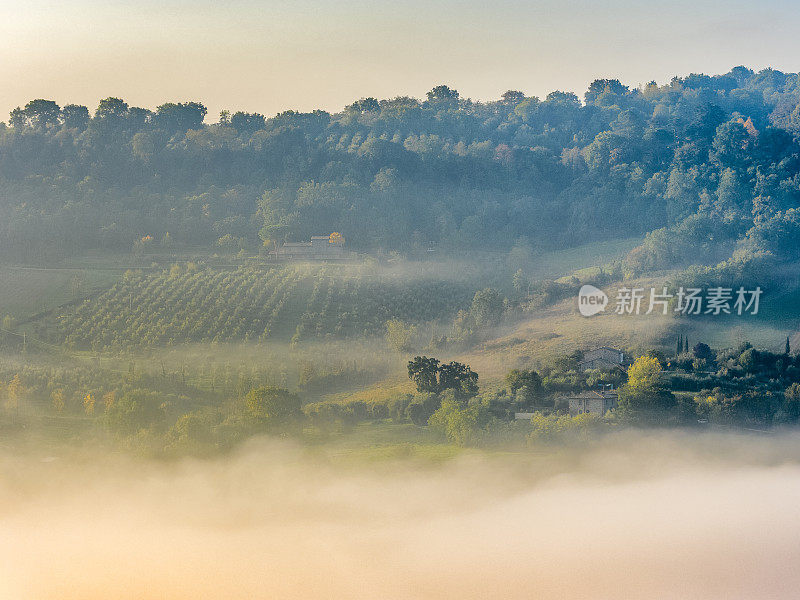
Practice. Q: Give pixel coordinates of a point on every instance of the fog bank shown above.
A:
(656, 516)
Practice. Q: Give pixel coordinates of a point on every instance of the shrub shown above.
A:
(559, 427)
(459, 424)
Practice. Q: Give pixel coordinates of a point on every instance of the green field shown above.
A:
(581, 258)
(27, 291)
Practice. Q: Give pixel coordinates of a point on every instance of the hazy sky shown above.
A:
(269, 56)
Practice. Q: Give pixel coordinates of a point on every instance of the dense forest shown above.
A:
(709, 165)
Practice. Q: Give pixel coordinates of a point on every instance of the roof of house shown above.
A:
(592, 394)
(592, 355)
(313, 237)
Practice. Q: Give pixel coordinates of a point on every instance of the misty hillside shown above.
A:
(713, 159)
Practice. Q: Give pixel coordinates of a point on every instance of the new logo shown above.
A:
(591, 300)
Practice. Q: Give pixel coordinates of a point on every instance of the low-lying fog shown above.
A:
(655, 516)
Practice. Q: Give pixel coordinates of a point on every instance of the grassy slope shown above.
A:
(26, 291)
(535, 340)
(561, 262)
(560, 329)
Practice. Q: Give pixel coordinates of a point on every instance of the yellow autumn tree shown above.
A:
(644, 398)
(57, 400)
(644, 373)
(14, 393)
(88, 404)
(108, 399)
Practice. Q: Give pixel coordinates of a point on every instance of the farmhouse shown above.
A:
(602, 358)
(593, 402)
(321, 247)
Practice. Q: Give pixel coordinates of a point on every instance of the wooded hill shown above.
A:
(713, 160)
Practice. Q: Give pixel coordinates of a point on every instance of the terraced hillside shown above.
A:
(251, 304)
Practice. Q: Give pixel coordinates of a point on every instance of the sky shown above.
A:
(268, 56)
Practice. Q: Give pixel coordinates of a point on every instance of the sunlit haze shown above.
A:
(399, 300)
(270, 56)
